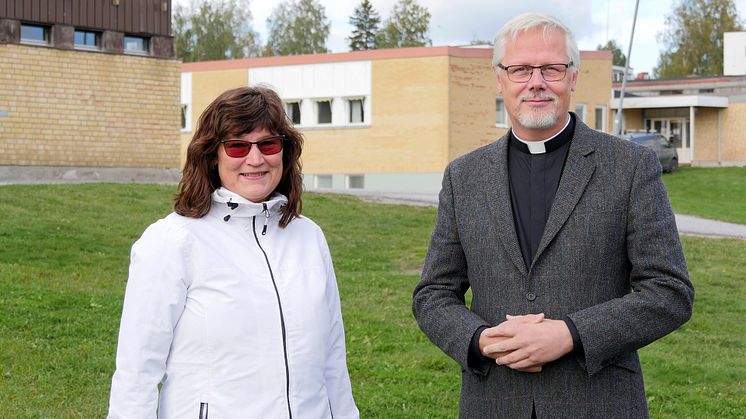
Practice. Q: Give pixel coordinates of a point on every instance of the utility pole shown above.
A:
(619, 113)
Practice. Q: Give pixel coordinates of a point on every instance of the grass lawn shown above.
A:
(718, 193)
(64, 253)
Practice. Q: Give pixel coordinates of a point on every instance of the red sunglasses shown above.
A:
(240, 148)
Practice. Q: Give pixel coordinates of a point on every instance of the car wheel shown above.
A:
(674, 165)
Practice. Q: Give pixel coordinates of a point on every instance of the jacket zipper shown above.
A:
(203, 410)
(279, 305)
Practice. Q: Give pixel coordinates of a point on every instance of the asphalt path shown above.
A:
(686, 224)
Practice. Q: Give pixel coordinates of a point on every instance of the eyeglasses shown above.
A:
(240, 148)
(522, 73)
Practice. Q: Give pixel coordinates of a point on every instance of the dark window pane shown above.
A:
(324, 112)
(34, 33)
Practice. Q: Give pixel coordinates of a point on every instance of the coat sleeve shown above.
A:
(662, 295)
(336, 376)
(439, 298)
(154, 300)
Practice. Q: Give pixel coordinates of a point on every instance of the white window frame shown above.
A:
(584, 108)
(348, 110)
(604, 126)
(505, 119)
(348, 181)
(299, 102)
(186, 101)
(145, 40)
(47, 31)
(316, 103)
(317, 183)
(96, 36)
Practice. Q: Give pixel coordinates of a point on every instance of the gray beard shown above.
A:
(535, 120)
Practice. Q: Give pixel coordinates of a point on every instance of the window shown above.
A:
(87, 39)
(135, 44)
(324, 181)
(292, 109)
(580, 111)
(34, 34)
(324, 112)
(355, 182)
(501, 118)
(186, 119)
(356, 111)
(600, 118)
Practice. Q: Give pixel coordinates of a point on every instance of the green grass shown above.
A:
(714, 193)
(64, 252)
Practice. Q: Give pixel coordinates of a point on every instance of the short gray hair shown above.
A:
(529, 21)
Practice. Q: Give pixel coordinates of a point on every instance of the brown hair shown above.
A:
(233, 113)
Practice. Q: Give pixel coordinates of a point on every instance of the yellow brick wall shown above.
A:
(705, 139)
(409, 129)
(732, 127)
(206, 86)
(633, 120)
(473, 89)
(594, 89)
(75, 108)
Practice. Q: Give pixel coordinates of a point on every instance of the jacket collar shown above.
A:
(577, 173)
(227, 204)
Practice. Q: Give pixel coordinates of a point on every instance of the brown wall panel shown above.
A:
(130, 16)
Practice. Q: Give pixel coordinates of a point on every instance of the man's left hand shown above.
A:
(529, 344)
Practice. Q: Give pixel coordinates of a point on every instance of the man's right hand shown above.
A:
(485, 340)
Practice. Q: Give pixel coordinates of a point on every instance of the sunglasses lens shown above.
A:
(270, 147)
(237, 148)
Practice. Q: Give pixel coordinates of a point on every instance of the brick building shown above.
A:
(89, 90)
(703, 116)
(386, 119)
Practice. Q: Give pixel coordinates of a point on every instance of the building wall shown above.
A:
(731, 148)
(594, 86)
(76, 108)
(706, 133)
(409, 130)
(206, 86)
(473, 89)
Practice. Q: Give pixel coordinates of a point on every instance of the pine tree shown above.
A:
(365, 19)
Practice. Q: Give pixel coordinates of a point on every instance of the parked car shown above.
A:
(665, 150)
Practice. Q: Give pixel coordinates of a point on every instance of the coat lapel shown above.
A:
(579, 168)
(498, 197)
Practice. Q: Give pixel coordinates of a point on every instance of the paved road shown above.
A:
(687, 224)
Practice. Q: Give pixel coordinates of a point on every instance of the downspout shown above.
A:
(691, 135)
(720, 152)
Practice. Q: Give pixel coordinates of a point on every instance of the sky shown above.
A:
(593, 22)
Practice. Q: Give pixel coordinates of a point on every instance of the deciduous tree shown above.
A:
(297, 27)
(694, 38)
(408, 26)
(214, 30)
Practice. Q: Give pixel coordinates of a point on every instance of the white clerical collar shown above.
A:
(539, 147)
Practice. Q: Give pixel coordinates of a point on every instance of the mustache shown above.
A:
(544, 96)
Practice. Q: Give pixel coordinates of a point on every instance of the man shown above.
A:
(567, 240)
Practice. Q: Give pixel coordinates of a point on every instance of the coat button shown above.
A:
(530, 296)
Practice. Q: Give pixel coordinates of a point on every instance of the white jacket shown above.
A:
(234, 321)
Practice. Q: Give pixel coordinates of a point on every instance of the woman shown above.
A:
(232, 303)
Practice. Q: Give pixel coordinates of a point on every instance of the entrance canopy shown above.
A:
(673, 101)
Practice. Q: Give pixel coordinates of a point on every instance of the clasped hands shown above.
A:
(525, 343)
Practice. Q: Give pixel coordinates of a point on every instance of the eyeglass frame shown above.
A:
(282, 138)
(534, 67)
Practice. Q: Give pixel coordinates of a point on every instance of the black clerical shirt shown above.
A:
(534, 178)
(534, 173)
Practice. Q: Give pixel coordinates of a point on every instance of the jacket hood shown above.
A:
(227, 205)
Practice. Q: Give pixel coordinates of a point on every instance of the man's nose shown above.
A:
(536, 80)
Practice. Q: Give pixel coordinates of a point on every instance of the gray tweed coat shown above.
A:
(610, 259)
